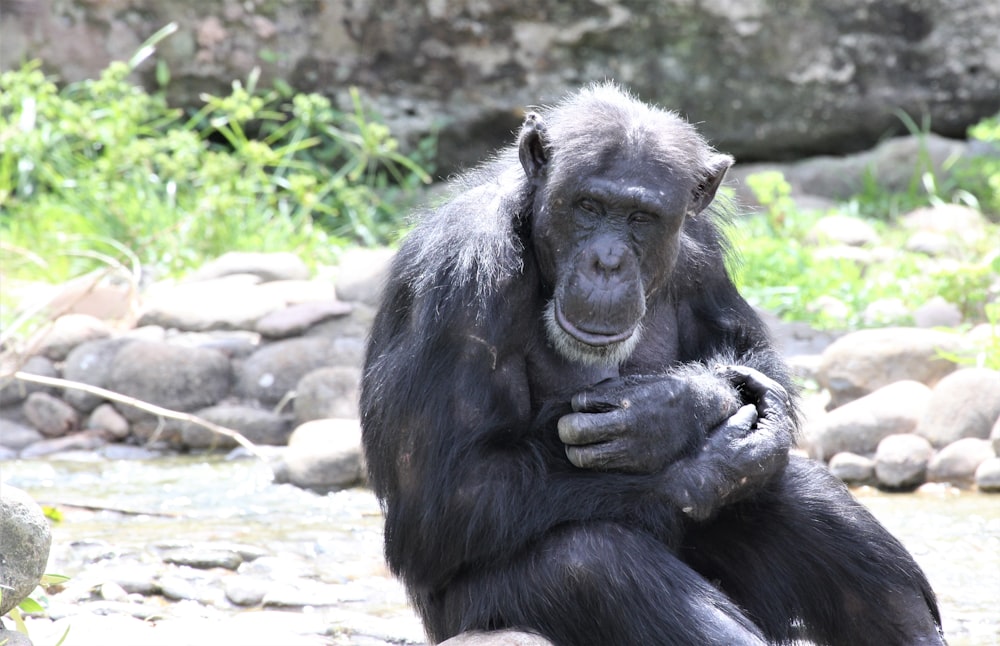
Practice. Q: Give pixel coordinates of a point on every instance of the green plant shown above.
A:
(32, 606)
(979, 173)
(781, 271)
(101, 166)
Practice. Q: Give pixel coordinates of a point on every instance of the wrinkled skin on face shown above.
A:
(607, 240)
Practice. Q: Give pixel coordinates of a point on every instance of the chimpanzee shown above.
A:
(577, 427)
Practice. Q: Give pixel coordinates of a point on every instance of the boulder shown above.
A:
(50, 415)
(257, 425)
(328, 392)
(858, 426)
(361, 274)
(957, 462)
(281, 265)
(988, 475)
(323, 455)
(174, 377)
(861, 362)
(17, 436)
(965, 403)
(296, 319)
(901, 461)
(15, 391)
(106, 418)
(842, 229)
(852, 468)
(227, 303)
(90, 363)
(25, 539)
(273, 371)
(56, 339)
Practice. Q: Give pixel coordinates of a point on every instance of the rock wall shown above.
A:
(767, 78)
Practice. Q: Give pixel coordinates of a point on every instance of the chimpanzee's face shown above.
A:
(606, 241)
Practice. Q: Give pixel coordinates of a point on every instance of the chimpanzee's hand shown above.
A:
(737, 458)
(641, 424)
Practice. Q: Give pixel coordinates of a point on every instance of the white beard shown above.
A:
(611, 355)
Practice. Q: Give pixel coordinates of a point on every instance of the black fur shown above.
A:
(686, 523)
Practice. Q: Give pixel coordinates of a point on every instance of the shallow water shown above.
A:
(954, 535)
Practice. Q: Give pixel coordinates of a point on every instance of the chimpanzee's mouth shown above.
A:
(610, 349)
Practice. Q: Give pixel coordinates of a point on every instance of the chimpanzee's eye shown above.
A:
(590, 206)
(641, 217)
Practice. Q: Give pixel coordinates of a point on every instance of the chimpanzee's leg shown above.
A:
(599, 584)
(804, 559)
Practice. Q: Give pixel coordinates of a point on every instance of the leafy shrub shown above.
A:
(102, 168)
(780, 272)
(980, 173)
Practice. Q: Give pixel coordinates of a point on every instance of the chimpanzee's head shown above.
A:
(614, 181)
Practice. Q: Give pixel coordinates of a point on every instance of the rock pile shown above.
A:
(250, 342)
(253, 343)
(902, 413)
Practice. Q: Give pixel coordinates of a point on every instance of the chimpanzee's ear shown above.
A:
(711, 179)
(532, 143)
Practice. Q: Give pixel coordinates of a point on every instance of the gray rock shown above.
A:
(266, 266)
(858, 426)
(937, 312)
(323, 455)
(355, 325)
(178, 378)
(362, 273)
(246, 591)
(25, 539)
(497, 638)
(301, 593)
(106, 418)
(957, 462)
(988, 475)
(326, 393)
(51, 416)
(258, 426)
(274, 370)
(960, 224)
(901, 461)
(55, 340)
(7, 453)
(14, 391)
(203, 558)
(231, 303)
(893, 162)
(14, 638)
(83, 441)
(135, 578)
(17, 436)
(852, 468)
(235, 344)
(295, 292)
(180, 589)
(965, 403)
(296, 319)
(272, 568)
(842, 229)
(995, 436)
(90, 363)
(861, 362)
